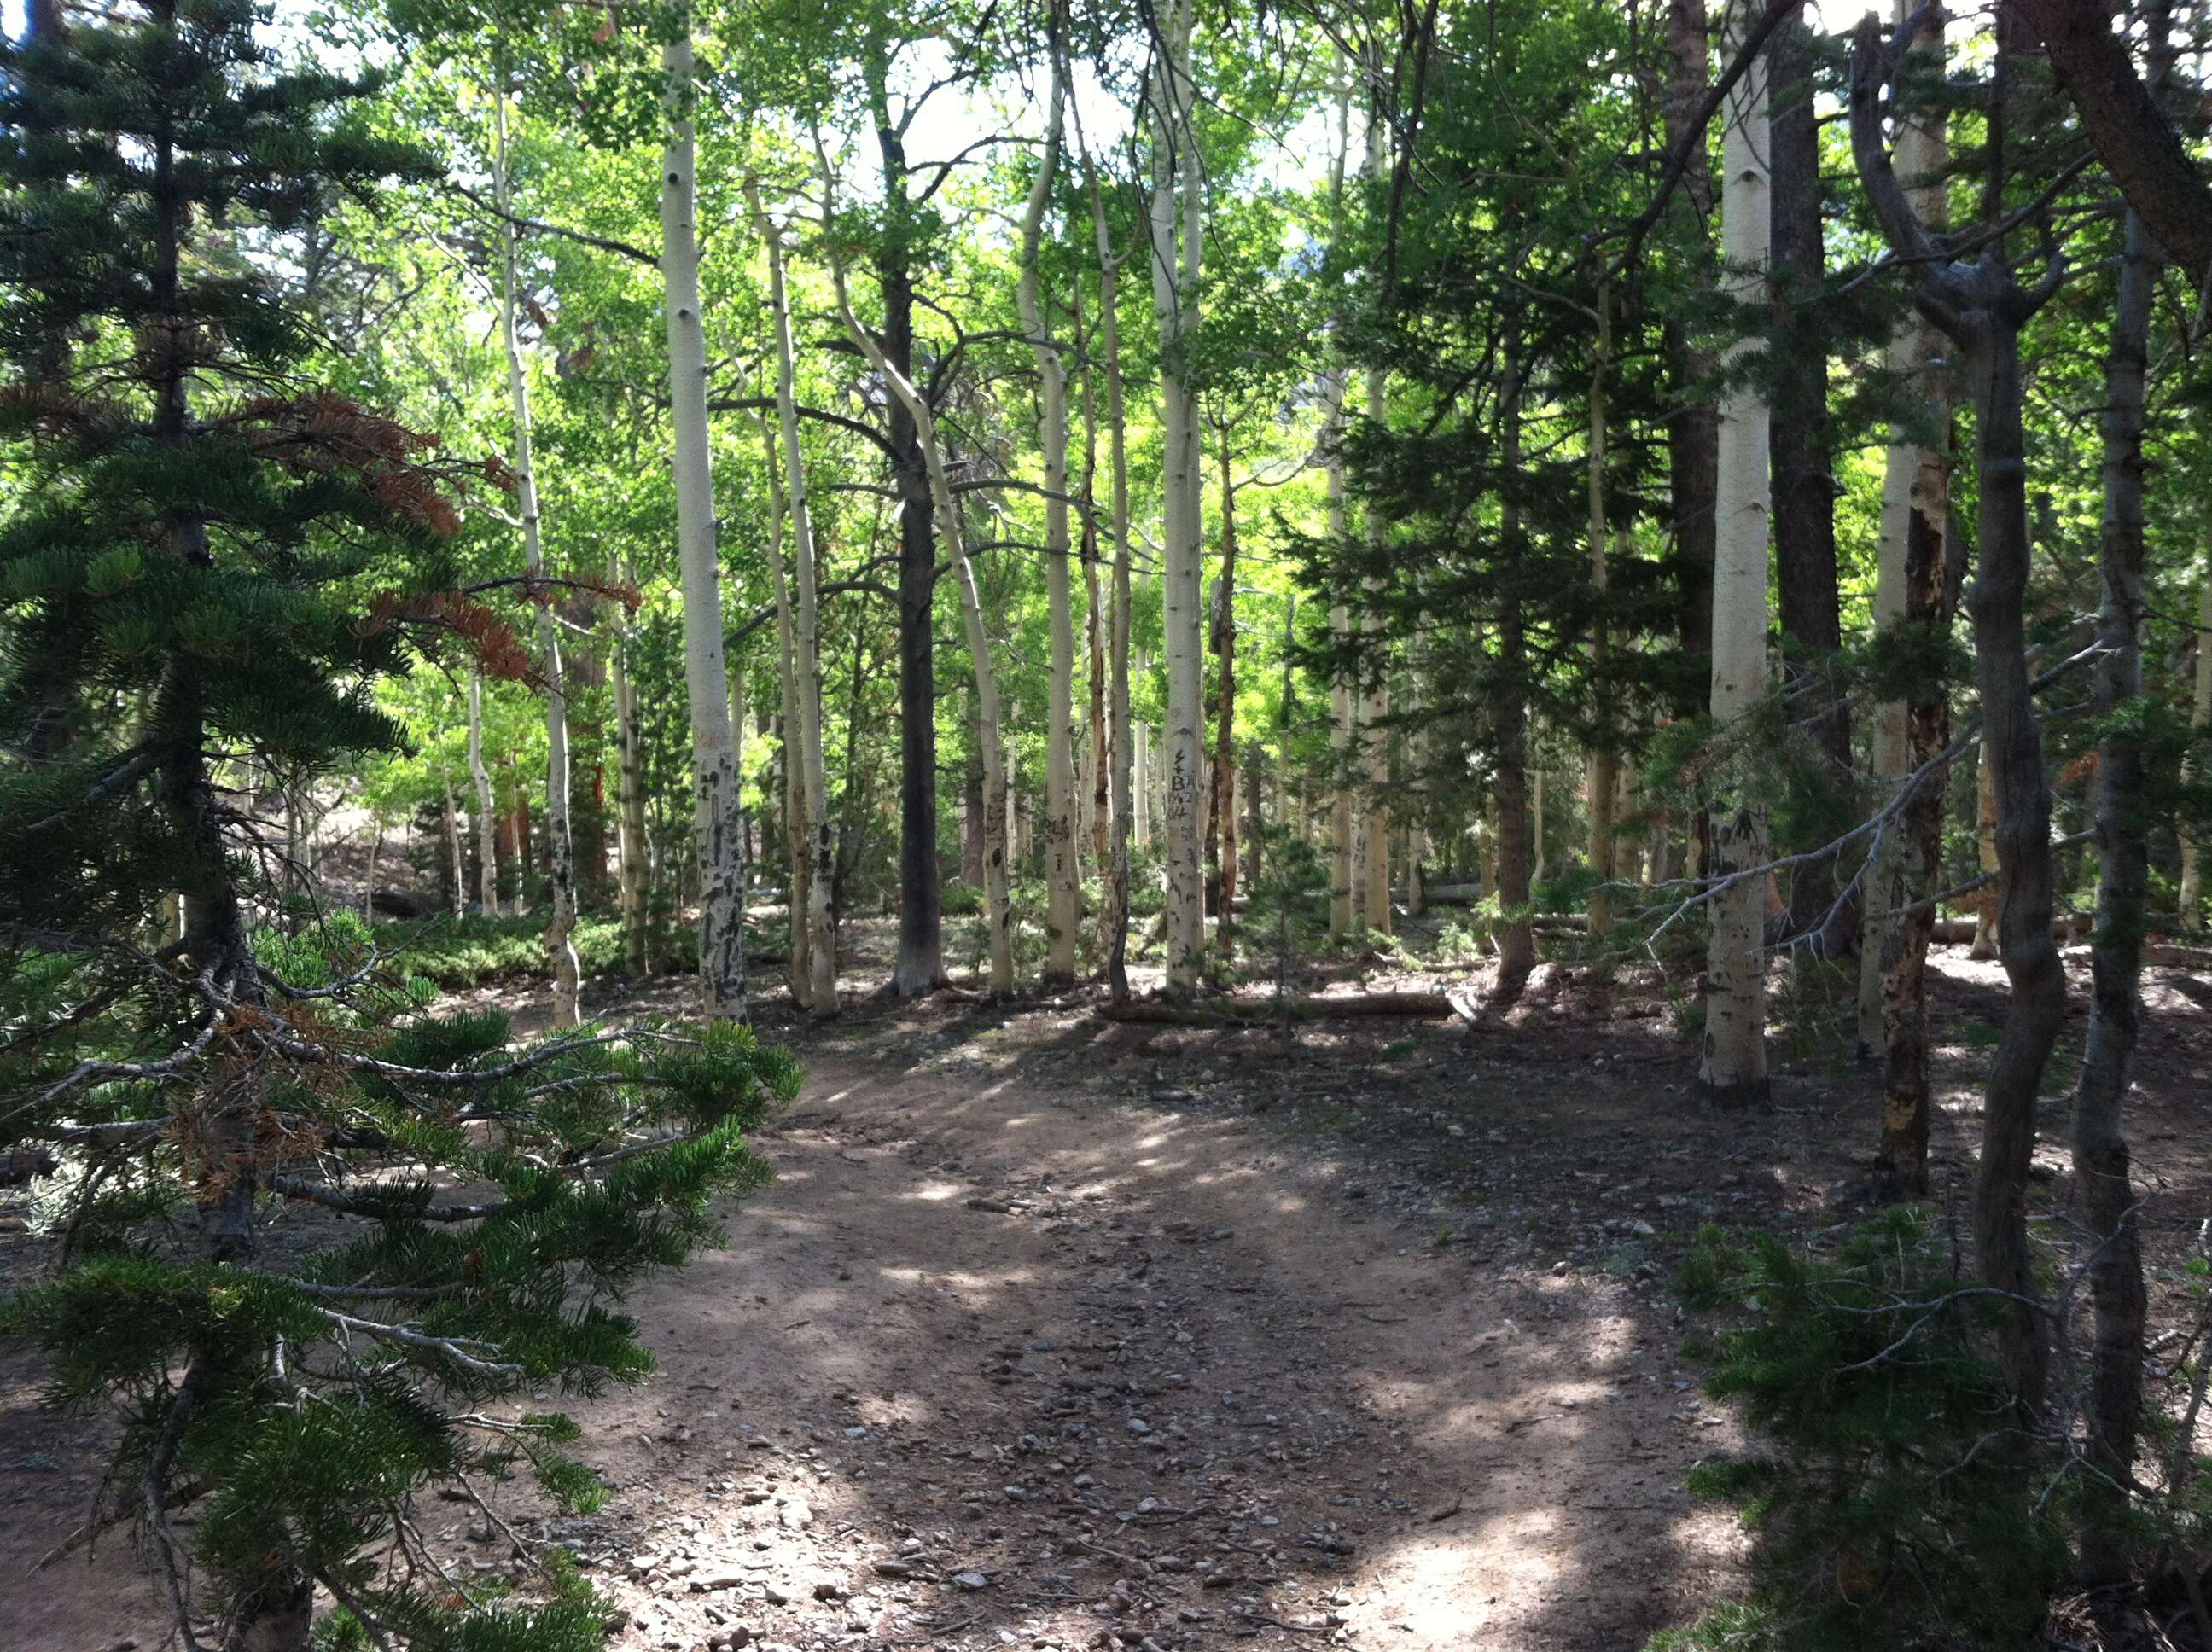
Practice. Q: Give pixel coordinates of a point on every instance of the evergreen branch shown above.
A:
(139, 762)
(453, 1348)
(321, 1192)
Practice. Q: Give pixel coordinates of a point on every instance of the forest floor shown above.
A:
(1053, 1331)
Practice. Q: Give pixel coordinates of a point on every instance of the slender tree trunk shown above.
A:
(458, 880)
(718, 825)
(804, 608)
(1802, 466)
(1375, 702)
(797, 833)
(1517, 939)
(1176, 216)
(1342, 892)
(1125, 741)
(634, 850)
(2100, 1146)
(487, 813)
(560, 946)
(1223, 835)
(1694, 427)
(2200, 719)
(1063, 877)
(1735, 1065)
(1097, 623)
(1605, 751)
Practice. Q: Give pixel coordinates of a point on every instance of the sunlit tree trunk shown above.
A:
(634, 852)
(803, 609)
(1734, 1064)
(718, 824)
(1124, 740)
(487, 812)
(1062, 876)
(1177, 216)
(796, 833)
(560, 946)
(458, 882)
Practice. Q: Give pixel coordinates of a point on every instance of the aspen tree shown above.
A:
(487, 812)
(632, 849)
(1374, 697)
(1735, 1063)
(1178, 224)
(794, 768)
(718, 824)
(1063, 879)
(2200, 718)
(804, 608)
(1605, 756)
(560, 946)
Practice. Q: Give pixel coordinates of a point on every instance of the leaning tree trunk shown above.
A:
(1735, 1065)
(2100, 1144)
(1123, 738)
(487, 812)
(560, 945)
(804, 608)
(1176, 225)
(1910, 593)
(718, 824)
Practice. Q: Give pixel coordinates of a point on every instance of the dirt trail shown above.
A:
(990, 1365)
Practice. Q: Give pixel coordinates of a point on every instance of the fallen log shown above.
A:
(1268, 1012)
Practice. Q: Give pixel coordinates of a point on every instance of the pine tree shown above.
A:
(214, 562)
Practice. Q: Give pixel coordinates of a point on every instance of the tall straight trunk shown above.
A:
(1176, 225)
(457, 879)
(1804, 485)
(1375, 699)
(1097, 621)
(1605, 751)
(487, 812)
(1342, 892)
(718, 824)
(1985, 945)
(1223, 835)
(632, 847)
(2200, 719)
(997, 906)
(2100, 1144)
(1062, 877)
(798, 835)
(919, 967)
(560, 945)
(1124, 740)
(1693, 425)
(1516, 938)
(1982, 309)
(803, 610)
(1735, 1065)
(1909, 592)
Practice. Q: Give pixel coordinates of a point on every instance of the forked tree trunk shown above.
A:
(718, 824)
(2100, 1146)
(1735, 1066)
(487, 812)
(803, 609)
(998, 910)
(560, 945)
(1176, 224)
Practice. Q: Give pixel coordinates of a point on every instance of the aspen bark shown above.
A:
(1375, 700)
(632, 848)
(487, 812)
(797, 833)
(1735, 1064)
(1221, 833)
(1177, 223)
(1063, 879)
(804, 608)
(458, 882)
(1124, 742)
(560, 946)
(1342, 915)
(718, 824)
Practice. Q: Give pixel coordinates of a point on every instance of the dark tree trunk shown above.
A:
(1804, 485)
(1693, 429)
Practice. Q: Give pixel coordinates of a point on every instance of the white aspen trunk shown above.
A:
(1141, 791)
(718, 822)
(1062, 876)
(487, 819)
(1913, 478)
(1735, 1065)
(1124, 742)
(1343, 904)
(2200, 718)
(1175, 303)
(1604, 757)
(631, 849)
(560, 946)
(795, 831)
(803, 607)
(460, 880)
(998, 906)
